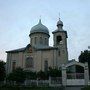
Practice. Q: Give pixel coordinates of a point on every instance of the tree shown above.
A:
(85, 57)
(42, 75)
(2, 70)
(30, 75)
(54, 72)
(51, 72)
(17, 75)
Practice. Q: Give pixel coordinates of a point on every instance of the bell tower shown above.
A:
(60, 41)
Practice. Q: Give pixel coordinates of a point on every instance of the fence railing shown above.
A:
(51, 82)
(37, 82)
(75, 75)
(56, 80)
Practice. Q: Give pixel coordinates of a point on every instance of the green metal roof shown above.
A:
(39, 28)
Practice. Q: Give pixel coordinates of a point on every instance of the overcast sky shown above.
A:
(18, 16)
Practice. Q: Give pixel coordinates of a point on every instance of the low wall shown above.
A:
(75, 82)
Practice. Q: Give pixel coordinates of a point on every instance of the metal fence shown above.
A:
(75, 76)
(56, 80)
(37, 82)
(53, 81)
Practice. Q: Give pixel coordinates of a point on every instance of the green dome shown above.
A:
(39, 28)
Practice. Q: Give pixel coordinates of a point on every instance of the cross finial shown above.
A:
(40, 16)
(40, 19)
(59, 15)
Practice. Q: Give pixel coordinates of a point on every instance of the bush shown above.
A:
(17, 75)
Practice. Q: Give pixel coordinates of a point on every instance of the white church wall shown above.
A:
(47, 56)
(37, 61)
(20, 60)
(40, 58)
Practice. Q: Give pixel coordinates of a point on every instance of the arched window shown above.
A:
(59, 53)
(13, 65)
(29, 62)
(31, 40)
(35, 40)
(40, 40)
(45, 65)
(58, 39)
(46, 41)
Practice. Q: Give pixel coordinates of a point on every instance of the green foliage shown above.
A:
(2, 70)
(79, 69)
(54, 72)
(17, 75)
(51, 72)
(42, 75)
(85, 57)
(31, 75)
(86, 88)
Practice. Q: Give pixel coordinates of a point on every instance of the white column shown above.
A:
(86, 74)
(64, 79)
(49, 80)
(37, 81)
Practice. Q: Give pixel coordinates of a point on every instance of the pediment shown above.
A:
(29, 49)
(74, 63)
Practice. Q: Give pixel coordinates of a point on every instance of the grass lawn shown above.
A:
(29, 88)
(86, 88)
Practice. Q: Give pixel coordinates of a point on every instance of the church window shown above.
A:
(46, 41)
(29, 62)
(40, 40)
(59, 53)
(35, 40)
(13, 65)
(45, 65)
(63, 51)
(59, 39)
(31, 40)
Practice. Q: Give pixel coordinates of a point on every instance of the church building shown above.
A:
(38, 55)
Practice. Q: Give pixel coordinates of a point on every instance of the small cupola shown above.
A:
(59, 24)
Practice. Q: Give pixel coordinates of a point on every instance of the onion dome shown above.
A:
(59, 23)
(39, 28)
